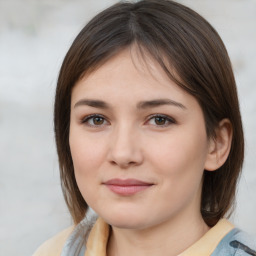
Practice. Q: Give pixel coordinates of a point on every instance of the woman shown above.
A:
(149, 135)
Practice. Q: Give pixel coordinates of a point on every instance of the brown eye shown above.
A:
(94, 120)
(98, 120)
(160, 120)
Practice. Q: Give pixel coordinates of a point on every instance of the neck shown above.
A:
(170, 238)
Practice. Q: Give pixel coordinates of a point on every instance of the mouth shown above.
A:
(127, 187)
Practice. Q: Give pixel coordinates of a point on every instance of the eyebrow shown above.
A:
(92, 103)
(158, 103)
(141, 105)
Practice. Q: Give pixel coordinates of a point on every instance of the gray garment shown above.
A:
(235, 243)
(75, 244)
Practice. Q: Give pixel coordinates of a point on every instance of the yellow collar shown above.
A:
(209, 241)
(97, 241)
(98, 238)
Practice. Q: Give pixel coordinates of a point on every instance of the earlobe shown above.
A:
(219, 146)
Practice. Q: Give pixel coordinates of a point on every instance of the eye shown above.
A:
(161, 120)
(94, 120)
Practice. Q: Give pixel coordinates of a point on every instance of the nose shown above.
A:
(125, 149)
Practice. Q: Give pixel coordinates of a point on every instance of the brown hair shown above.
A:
(192, 54)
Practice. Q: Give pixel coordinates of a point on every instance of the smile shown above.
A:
(127, 187)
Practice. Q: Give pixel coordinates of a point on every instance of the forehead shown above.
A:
(129, 78)
(127, 68)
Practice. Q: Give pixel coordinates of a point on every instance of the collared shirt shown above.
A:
(221, 240)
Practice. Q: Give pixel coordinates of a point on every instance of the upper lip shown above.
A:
(127, 182)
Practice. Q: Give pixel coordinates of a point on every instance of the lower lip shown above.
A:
(127, 190)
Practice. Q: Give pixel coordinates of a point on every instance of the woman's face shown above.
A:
(138, 144)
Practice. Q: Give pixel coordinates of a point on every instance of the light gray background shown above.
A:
(34, 37)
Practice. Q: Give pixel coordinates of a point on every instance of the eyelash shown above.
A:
(91, 117)
(166, 118)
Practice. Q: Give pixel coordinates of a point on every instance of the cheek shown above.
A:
(179, 160)
(87, 159)
(86, 150)
(179, 164)
(179, 153)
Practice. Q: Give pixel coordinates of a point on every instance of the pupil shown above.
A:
(160, 120)
(98, 120)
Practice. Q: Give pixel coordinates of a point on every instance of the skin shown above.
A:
(126, 140)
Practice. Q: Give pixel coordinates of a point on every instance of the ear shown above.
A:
(219, 146)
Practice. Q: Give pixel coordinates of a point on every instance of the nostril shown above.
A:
(124, 153)
(123, 164)
(113, 162)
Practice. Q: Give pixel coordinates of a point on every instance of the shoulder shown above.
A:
(236, 242)
(54, 245)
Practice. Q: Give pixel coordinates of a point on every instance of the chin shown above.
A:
(125, 220)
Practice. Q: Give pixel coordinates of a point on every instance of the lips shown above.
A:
(127, 187)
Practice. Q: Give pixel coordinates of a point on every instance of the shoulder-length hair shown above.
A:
(192, 54)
